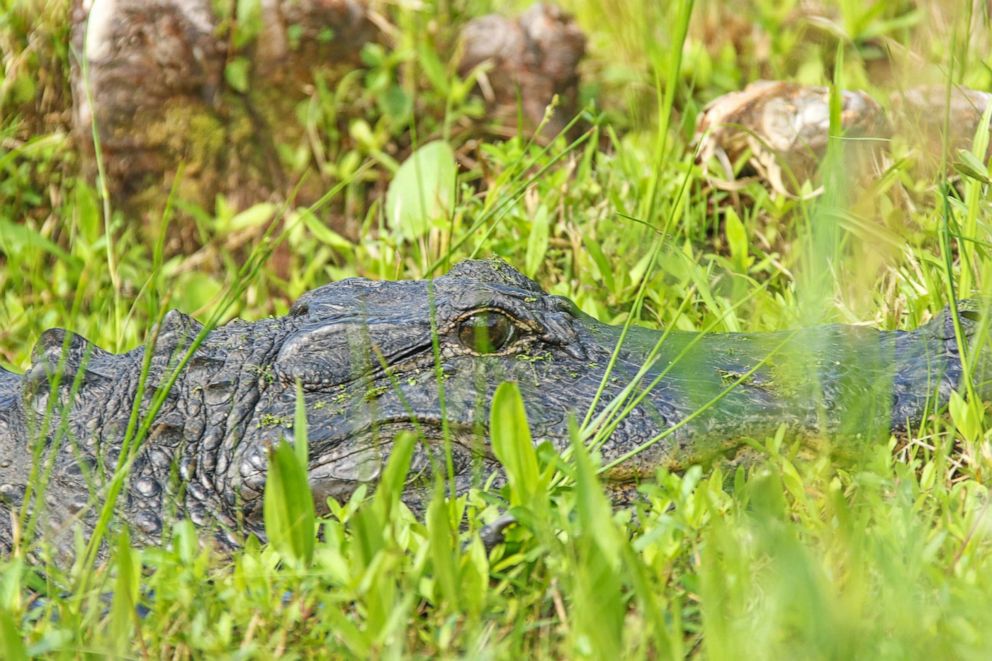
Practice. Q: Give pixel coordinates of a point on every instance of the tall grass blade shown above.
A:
(288, 506)
(513, 446)
(10, 638)
(444, 551)
(598, 600)
(126, 590)
(394, 477)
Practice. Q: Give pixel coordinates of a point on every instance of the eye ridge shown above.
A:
(487, 331)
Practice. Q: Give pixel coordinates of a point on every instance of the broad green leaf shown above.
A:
(966, 417)
(195, 290)
(11, 584)
(473, 579)
(598, 598)
(253, 216)
(236, 74)
(14, 237)
(87, 213)
(432, 67)
(972, 167)
(325, 234)
(393, 478)
(249, 22)
(371, 521)
(980, 142)
(512, 443)
(592, 506)
(602, 264)
(736, 239)
(184, 541)
(422, 190)
(356, 639)
(289, 513)
(443, 549)
(368, 529)
(395, 104)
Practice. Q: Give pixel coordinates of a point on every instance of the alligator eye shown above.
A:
(487, 331)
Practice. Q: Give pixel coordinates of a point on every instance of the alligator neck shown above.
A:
(716, 390)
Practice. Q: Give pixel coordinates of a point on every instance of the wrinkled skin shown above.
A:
(375, 358)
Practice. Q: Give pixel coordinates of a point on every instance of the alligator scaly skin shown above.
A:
(364, 354)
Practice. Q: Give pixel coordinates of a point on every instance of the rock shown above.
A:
(933, 111)
(525, 62)
(784, 127)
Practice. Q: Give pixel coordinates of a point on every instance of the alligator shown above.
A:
(375, 358)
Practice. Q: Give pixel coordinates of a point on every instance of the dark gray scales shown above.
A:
(364, 354)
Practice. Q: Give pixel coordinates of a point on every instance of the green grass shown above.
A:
(884, 554)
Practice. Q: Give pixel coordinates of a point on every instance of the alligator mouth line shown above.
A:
(381, 434)
(340, 475)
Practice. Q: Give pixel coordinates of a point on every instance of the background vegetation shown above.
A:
(886, 554)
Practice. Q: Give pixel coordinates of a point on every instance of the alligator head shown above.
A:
(378, 358)
(374, 359)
